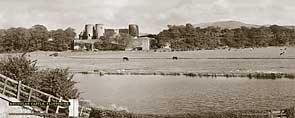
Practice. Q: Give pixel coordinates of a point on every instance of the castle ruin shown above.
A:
(96, 33)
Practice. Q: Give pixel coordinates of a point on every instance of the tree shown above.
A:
(16, 39)
(40, 35)
(70, 36)
(60, 42)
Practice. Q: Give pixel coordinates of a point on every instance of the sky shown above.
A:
(152, 16)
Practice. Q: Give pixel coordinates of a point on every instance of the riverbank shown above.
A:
(256, 75)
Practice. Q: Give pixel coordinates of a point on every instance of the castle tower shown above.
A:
(89, 31)
(98, 31)
(133, 30)
(116, 31)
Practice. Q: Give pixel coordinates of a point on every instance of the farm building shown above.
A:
(140, 43)
(87, 45)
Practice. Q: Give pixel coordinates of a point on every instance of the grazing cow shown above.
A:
(54, 54)
(251, 49)
(174, 58)
(125, 58)
(282, 53)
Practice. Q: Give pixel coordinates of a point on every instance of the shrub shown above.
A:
(57, 82)
(18, 68)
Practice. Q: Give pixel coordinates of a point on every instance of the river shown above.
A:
(178, 94)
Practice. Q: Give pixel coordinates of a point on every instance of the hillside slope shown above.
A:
(226, 24)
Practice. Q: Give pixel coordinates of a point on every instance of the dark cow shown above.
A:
(174, 58)
(125, 59)
(282, 53)
(251, 49)
(54, 54)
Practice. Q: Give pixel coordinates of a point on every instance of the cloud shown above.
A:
(152, 15)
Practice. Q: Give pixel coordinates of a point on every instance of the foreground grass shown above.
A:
(97, 113)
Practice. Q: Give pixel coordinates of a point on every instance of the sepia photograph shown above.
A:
(147, 59)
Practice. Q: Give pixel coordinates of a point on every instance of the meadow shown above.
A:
(267, 60)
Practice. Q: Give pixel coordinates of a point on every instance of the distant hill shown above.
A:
(290, 27)
(226, 24)
(233, 25)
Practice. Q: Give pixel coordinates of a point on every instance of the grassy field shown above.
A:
(214, 61)
(230, 114)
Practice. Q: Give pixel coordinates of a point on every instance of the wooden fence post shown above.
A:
(18, 90)
(57, 108)
(47, 107)
(281, 113)
(4, 88)
(30, 95)
(270, 114)
(81, 111)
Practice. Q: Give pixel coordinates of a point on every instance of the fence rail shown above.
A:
(270, 114)
(24, 93)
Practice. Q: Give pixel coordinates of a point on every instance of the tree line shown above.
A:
(35, 38)
(183, 37)
(188, 37)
